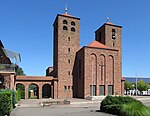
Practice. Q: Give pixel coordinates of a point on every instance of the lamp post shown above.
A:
(136, 84)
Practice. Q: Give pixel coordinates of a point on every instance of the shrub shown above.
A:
(114, 104)
(5, 102)
(8, 99)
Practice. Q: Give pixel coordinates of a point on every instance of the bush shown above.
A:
(5, 102)
(115, 104)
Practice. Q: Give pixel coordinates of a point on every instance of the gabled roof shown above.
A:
(96, 44)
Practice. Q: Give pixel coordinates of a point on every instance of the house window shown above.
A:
(73, 23)
(65, 28)
(73, 29)
(65, 22)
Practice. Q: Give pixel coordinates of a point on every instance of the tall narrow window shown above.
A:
(65, 28)
(68, 49)
(69, 88)
(69, 61)
(65, 88)
(113, 44)
(113, 34)
(65, 22)
(68, 72)
(68, 38)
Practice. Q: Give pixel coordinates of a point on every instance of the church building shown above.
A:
(92, 70)
(79, 72)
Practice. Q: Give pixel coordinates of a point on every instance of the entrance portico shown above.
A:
(45, 85)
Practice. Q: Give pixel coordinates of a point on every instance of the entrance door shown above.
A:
(101, 90)
(92, 90)
(110, 89)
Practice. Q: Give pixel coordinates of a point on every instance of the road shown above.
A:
(58, 111)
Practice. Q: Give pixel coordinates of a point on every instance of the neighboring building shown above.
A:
(7, 70)
(92, 70)
(133, 79)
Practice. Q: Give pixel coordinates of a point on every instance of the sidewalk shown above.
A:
(73, 101)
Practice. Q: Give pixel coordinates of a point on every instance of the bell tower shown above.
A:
(66, 44)
(110, 35)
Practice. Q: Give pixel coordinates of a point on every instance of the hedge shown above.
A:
(8, 99)
(5, 102)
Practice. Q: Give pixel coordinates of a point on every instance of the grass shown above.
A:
(33, 97)
(135, 109)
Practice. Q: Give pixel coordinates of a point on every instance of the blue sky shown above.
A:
(26, 27)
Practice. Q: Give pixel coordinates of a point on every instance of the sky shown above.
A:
(26, 26)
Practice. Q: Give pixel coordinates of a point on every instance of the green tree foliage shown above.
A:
(21, 90)
(142, 86)
(19, 71)
(128, 86)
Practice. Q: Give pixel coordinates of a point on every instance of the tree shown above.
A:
(128, 86)
(142, 86)
(19, 71)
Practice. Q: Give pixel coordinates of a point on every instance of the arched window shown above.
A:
(113, 34)
(73, 29)
(73, 23)
(65, 22)
(65, 28)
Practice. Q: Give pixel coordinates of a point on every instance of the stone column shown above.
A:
(12, 81)
(52, 91)
(40, 91)
(55, 89)
(26, 91)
